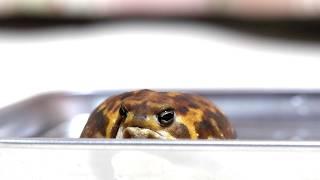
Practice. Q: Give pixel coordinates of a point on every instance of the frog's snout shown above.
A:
(142, 133)
(134, 126)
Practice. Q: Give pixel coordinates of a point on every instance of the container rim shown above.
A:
(137, 142)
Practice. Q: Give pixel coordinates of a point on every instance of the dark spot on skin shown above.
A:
(193, 105)
(112, 107)
(207, 114)
(125, 95)
(224, 125)
(221, 121)
(97, 123)
(101, 122)
(179, 131)
(205, 129)
(182, 110)
(181, 98)
(218, 117)
(201, 102)
(186, 100)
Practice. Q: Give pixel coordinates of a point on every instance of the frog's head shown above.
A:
(149, 114)
(158, 115)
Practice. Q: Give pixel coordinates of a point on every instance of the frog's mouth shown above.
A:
(141, 133)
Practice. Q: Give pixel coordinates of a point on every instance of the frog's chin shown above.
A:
(141, 133)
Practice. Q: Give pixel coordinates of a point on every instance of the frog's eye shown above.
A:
(166, 117)
(123, 111)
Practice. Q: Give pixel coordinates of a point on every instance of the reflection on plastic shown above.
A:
(138, 165)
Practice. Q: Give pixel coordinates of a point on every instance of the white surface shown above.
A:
(217, 165)
(122, 56)
(157, 163)
(137, 165)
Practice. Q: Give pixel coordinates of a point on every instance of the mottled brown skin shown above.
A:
(195, 117)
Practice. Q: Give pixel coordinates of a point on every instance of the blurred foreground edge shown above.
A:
(93, 9)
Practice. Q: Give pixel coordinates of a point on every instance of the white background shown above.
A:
(150, 55)
(122, 56)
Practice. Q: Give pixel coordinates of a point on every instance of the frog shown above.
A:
(149, 114)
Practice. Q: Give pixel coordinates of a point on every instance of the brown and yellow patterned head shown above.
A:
(158, 115)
